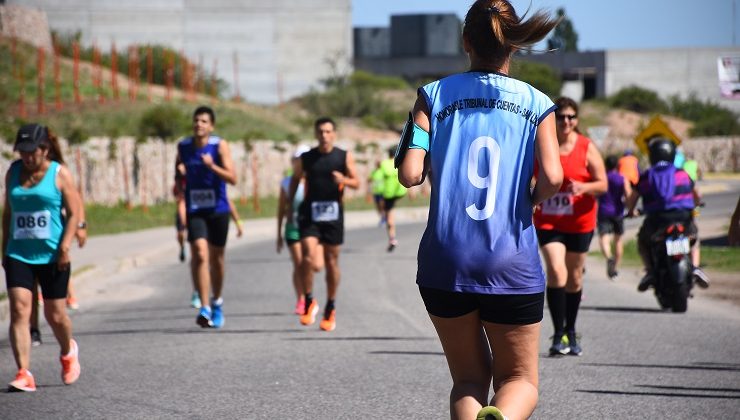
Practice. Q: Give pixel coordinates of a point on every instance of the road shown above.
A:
(143, 356)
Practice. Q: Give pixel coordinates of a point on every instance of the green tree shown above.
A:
(637, 99)
(541, 76)
(564, 38)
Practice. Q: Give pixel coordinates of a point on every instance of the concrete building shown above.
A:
(282, 47)
(590, 74)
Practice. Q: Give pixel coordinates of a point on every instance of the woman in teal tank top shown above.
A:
(36, 242)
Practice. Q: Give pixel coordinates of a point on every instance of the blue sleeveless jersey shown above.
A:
(36, 224)
(479, 236)
(205, 192)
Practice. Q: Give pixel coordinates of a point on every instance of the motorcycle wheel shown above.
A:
(681, 298)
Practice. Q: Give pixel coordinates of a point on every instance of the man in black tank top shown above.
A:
(328, 170)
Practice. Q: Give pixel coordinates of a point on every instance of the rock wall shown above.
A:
(124, 171)
(121, 171)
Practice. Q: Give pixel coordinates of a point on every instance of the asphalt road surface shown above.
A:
(143, 356)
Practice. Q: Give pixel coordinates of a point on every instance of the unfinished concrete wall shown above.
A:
(673, 71)
(282, 47)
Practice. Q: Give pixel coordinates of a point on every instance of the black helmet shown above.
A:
(661, 149)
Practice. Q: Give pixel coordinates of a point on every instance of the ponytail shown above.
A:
(494, 30)
(52, 144)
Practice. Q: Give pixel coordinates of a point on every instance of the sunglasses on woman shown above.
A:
(563, 117)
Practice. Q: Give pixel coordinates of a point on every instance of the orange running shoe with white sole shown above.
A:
(23, 382)
(71, 364)
(72, 303)
(310, 316)
(329, 324)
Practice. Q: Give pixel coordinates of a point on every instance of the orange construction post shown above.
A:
(41, 73)
(149, 73)
(98, 74)
(76, 72)
(214, 81)
(57, 81)
(169, 74)
(22, 94)
(114, 70)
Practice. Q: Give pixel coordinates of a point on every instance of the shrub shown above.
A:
(637, 99)
(162, 121)
(357, 96)
(541, 76)
(709, 119)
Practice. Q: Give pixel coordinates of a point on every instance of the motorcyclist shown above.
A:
(668, 196)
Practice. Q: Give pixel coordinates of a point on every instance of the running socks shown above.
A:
(329, 307)
(556, 303)
(572, 303)
(218, 302)
(309, 299)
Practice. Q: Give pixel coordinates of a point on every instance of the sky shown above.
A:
(600, 24)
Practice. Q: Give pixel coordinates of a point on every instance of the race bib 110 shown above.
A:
(559, 204)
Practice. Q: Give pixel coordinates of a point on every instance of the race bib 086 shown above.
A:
(201, 199)
(32, 225)
(559, 204)
(324, 211)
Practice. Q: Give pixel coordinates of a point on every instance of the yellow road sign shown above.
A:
(656, 128)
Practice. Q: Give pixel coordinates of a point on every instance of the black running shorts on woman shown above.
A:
(52, 280)
(321, 214)
(498, 309)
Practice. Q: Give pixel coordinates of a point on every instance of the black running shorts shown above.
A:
(574, 242)
(607, 225)
(329, 233)
(53, 281)
(389, 203)
(213, 227)
(497, 309)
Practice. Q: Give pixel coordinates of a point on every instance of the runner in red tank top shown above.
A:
(565, 225)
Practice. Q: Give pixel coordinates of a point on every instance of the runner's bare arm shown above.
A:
(627, 189)
(631, 202)
(81, 233)
(415, 165)
(6, 218)
(548, 155)
(72, 203)
(281, 211)
(294, 181)
(225, 172)
(595, 165)
(236, 218)
(350, 178)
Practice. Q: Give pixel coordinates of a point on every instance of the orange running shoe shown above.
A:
(329, 324)
(310, 316)
(71, 364)
(23, 382)
(72, 303)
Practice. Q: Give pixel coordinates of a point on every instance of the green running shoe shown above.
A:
(490, 412)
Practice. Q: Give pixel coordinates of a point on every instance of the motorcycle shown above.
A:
(672, 268)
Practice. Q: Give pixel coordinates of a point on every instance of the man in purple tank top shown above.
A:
(610, 219)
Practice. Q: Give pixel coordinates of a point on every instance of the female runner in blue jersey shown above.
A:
(477, 135)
